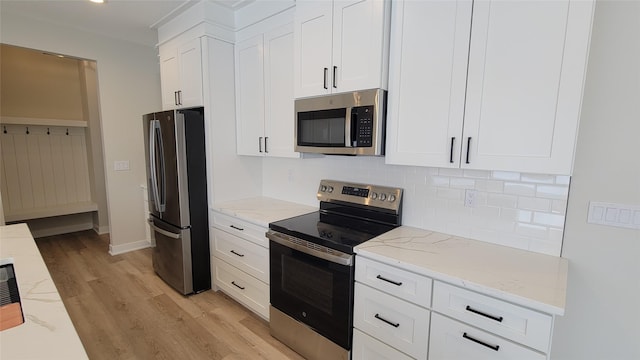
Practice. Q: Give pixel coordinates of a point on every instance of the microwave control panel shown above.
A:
(362, 116)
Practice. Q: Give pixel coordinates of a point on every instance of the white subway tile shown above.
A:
(533, 231)
(563, 179)
(519, 189)
(505, 175)
(537, 178)
(559, 207)
(486, 212)
(532, 203)
(556, 235)
(477, 174)
(552, 192)
(441, 181)
(450, 194)
(492, 186)
(516, 215)
(462, 183)
(545, 247)
(547, 219)
(425, 192)
(450, 172)
(502, 200)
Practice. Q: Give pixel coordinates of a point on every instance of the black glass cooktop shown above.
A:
(333, 231)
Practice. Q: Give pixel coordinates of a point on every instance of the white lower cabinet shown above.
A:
(366, 347)
(400, 314)
(243, 287)
(240, 262)
(453, 340)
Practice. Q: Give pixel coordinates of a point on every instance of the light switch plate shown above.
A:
(612, 214)
(121, 165)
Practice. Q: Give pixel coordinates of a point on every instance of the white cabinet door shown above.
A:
(250, 96)
(360, 45)
(450, 340)
(181, 75)
(527, 63)
(428, 65)
(190, 62)
(340, 46)
(278, 82)
(169, 77)
(312, 60)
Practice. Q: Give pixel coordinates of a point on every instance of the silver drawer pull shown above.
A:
(377, 316)
(238, 286)
(492, 317)
(235, 227)
(492, 347)
(237, 254)
(389, 281)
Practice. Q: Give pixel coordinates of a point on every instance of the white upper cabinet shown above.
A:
(250, 96)
(514, 105)
(428, 70)
(181, 74)
(340, 46)
(264, 93)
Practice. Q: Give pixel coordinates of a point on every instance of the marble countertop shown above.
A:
(262, 210)
(47, 332)
(526, 278)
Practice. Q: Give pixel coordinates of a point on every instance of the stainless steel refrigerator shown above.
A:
(177, 185)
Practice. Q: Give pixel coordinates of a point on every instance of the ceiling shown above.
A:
(131, 20)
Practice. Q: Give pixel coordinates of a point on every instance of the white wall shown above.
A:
(602, 319)
(129, 86)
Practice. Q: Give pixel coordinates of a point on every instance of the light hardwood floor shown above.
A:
(122, 310)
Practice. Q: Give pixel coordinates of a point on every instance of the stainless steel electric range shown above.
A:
(312, 265)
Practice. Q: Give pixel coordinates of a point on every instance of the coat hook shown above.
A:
(67, 131)
(48, 132)
(5, 129)
(27, 130)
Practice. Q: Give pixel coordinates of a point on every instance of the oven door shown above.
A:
(311, 289)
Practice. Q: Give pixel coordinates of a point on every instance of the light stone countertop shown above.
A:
(262, 210)
(47, 332)
(526, 278)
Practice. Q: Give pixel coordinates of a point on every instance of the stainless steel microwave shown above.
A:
(342, 124)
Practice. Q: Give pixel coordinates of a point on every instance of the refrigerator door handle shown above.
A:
(156, 139)
(164, 232)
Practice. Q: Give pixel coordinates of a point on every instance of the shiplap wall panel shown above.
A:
(43, 170)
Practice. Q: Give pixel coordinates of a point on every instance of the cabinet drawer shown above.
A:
(400, 283)
(402, 325)
(246, 289)
(367, 348)
(514, 322)
(244, 229)
(451, 339)
(246, 256)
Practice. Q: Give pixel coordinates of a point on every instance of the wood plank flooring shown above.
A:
(122, 310)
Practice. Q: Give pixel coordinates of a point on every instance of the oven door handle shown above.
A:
(291, 242)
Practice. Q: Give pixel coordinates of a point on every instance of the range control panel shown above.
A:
(368, 195)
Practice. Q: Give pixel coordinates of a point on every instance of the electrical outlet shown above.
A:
(470, 198)
(121, 165)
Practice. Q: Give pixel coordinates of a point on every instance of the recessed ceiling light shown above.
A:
(97, 1)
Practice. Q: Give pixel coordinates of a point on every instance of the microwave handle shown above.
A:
(349, 131)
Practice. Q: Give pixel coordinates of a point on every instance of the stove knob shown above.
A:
(329, 235)
(374, 196)
(323, 188)
(383, 197)
(330, 189)
(392, 198)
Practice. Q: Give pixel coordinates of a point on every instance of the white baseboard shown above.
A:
(101, 230)
(124, 248)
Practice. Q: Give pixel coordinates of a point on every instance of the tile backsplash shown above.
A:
(520, 210)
